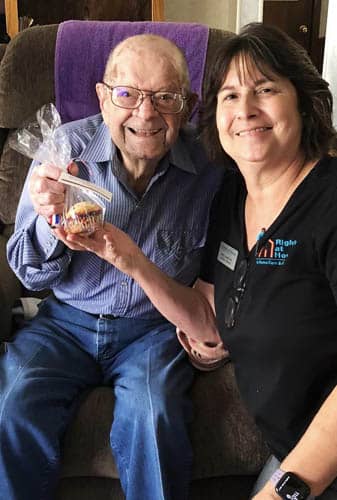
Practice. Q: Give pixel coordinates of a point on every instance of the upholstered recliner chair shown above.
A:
(229, 451)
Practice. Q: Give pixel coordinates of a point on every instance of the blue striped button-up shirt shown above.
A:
(169, 222)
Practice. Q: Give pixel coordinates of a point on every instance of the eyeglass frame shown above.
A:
(236, 298)
(147, 93)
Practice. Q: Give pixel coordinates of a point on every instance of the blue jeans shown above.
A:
(62, 353)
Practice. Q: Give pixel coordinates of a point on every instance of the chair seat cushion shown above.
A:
(224, 437)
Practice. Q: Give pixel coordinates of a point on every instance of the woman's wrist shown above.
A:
(267, 493)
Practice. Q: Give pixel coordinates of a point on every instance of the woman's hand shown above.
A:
(266, 495)
(203, 355)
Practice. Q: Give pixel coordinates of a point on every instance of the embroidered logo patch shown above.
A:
(275, 252)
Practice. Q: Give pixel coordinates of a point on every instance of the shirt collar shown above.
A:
(101, 149)
(180, 157)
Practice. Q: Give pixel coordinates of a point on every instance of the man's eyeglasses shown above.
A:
(165, 102)
(234, 300)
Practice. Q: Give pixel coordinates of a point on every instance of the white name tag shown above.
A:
(227, 255)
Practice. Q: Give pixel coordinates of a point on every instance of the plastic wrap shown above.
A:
(43, 141)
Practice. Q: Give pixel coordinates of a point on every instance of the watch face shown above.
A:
(291, 487)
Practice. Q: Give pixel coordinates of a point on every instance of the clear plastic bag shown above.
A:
(38, 140)
(83, 213)
(42, 140)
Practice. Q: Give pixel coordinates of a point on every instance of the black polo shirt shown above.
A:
(284, 339)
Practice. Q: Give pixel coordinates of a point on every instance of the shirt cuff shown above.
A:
(44, 240)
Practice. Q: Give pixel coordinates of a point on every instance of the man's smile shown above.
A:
(144, 132)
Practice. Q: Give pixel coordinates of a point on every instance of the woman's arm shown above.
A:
(314, 458)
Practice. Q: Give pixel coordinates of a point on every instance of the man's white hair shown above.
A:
(161, 46)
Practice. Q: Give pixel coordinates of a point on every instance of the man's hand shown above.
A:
(61, 235)
(112, 245)
(46, 193)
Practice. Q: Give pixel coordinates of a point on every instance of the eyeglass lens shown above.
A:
(131, 98)
(239, 285)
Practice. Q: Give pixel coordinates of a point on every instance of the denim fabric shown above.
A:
(270, 467)
(62, 353)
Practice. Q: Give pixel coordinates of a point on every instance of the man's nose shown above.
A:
(147, 108)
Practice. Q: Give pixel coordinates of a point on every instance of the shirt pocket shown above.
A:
(178, 252)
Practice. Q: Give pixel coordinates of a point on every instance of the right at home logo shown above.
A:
(275, 252)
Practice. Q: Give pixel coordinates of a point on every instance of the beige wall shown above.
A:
(330, 55)
(214, 13)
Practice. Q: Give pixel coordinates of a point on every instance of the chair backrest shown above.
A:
(27, 81)
(54, 11)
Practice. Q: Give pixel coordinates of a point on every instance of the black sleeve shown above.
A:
(208, 262)
(325, 241)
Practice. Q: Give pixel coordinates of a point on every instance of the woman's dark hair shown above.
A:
(272, 51)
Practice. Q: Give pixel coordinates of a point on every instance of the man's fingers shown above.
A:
(64, 237)
(49, 171)
(45, 185)
(85, 242)
(47, 194)
(109, 241)
(47, 211)
(72, 168)
(48, 198)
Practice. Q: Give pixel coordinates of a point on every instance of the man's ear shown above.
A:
(191, 102)
(101, 94)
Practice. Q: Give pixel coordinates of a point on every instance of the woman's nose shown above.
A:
(247, 106)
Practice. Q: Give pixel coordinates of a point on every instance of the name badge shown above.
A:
(227, 255)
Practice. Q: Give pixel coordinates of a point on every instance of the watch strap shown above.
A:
(276, 476)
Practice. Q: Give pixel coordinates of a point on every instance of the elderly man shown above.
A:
(98, 326)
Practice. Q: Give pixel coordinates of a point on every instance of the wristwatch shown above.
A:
(289, 486)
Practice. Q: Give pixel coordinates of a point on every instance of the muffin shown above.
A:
(83, 217)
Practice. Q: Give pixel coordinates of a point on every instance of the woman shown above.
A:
(271, 247)
(270, 259)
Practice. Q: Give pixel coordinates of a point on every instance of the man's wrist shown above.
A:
(142, 267)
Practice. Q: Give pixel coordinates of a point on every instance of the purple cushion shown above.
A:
(82, 49)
